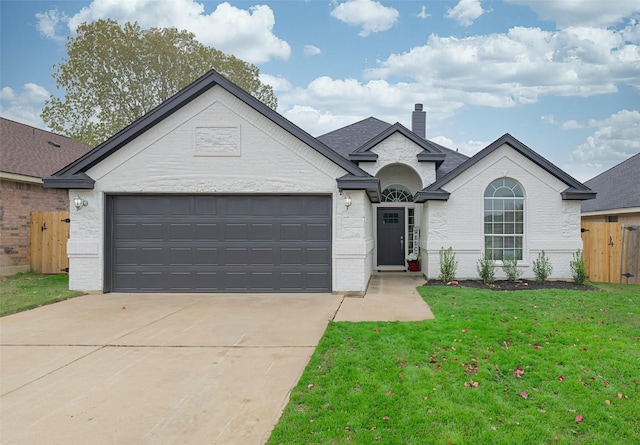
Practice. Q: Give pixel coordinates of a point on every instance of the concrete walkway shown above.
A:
(391, 296)
(171, 368)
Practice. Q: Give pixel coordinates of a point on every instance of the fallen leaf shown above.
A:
(389, 393)
(537, 346)
(401, 376)
(518, 372)
(619, 395)
(524, 395)
(426, 397)
(376, 330)
(310, 385)
(386, 418)
(579, 418)
(561, 378)
(608, 402)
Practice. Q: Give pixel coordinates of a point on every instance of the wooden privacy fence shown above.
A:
(611, 252)
(49, 235)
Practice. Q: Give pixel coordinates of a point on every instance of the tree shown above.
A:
(115, 74)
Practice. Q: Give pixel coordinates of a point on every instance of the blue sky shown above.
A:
(562, 76)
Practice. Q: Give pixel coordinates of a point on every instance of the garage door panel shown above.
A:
(290, 232)
(206, 256)
(318, 232)
(318, 256)
(208, 232)
(236, 256)
(236, 232)
(270, 243)
(263, 256)
(150, 232)
(263, 232)
(127, 231)
(205, 205)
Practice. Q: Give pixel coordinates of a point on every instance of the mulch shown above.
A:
(504, 285)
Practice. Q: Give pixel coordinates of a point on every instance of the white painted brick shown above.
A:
(551, 224)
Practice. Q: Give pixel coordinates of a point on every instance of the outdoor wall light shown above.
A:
(347, 201)
(80, 202)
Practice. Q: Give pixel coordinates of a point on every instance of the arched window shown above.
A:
(396, 193)
(503, 219)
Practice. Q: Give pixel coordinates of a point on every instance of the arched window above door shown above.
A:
(397, 193)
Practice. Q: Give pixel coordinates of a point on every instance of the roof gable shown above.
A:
(74, 175)
(30, 151)
(617, 188)
(575, 189)
(431, 153)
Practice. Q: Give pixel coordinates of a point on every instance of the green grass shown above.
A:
(453, 380)
(26, 291)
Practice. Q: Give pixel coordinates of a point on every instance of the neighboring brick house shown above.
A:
(212, 191)
(27, 154)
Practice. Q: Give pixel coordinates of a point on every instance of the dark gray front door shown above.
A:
(231, 243)
(391, 236)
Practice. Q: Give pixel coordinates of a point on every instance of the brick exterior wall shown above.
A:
(17, 201)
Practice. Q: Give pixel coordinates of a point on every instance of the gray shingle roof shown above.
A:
(347, 140)
(617, 188)
(30, 151)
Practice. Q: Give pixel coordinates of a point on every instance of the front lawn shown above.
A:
(26, 291)
(527, 367)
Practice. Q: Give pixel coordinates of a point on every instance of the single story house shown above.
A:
(618, 199)
(28, 154)
(212, 191)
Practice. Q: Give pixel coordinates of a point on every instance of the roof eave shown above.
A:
(363, 157)
(431, 195)
(370, 185)
(77, 181)
(425, 156)
(578, 195)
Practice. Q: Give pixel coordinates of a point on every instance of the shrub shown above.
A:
(509, 266)
(486, 269)
(448, 265)
(578, 268)
(542, 268)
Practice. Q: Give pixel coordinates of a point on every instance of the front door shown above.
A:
(391, 242)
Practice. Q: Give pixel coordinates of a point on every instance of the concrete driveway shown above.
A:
(155, 368)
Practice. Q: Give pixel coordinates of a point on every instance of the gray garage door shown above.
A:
(179, 243)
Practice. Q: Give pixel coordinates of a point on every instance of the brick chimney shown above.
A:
(419, 121)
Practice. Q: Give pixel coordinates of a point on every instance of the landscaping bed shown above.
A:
(518, 285)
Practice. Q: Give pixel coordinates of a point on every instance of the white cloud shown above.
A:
(615, 139)
(549, 119)
(24, 106)
(245, 33)
(370, 15)
(50, 23)
(310, 50)
(520, 66)
(278, 83)
(348, 100)
(571, 125)
(465, 12)
(582, 12)
(423, 13)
